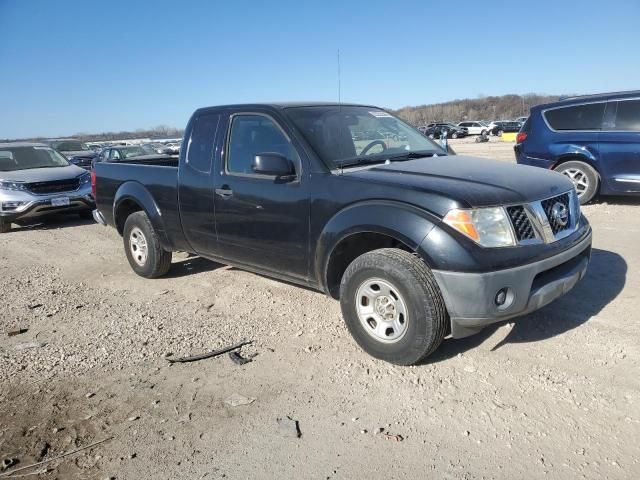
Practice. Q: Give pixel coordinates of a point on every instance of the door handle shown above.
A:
(224, 192)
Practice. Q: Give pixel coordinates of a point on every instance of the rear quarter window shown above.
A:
(576, 117)
(200, 151)
(628, 115)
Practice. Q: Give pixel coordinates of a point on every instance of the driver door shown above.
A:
(262, 220)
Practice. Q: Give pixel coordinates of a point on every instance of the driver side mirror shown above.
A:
(273, 164)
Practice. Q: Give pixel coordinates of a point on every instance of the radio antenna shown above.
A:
(339, 98)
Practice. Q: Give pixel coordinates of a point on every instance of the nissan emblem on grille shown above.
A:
(560, 213)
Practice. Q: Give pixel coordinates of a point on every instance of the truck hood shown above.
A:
(469, 181)
(42, 174)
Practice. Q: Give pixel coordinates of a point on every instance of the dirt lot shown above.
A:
(552, 395)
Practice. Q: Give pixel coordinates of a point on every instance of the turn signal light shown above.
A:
(461, 220)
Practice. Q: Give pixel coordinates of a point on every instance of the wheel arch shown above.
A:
(364, 227)
(133, 197)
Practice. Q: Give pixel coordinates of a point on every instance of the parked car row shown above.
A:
(37, 180)
(438, 130)
(471, 127)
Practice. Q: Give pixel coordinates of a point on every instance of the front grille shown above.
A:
(521, 223)
(56, 186)
(560, 204)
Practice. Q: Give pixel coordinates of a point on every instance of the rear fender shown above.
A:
(571, 151)
(137, 193)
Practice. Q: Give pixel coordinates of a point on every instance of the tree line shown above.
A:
(161, 131)
(505, 107)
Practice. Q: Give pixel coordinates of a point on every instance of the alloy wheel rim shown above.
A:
(138, 246)
(381, 310)
(579, 179)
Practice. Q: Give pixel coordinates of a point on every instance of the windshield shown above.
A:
(347, 135)
(69, 146)
(24, 158)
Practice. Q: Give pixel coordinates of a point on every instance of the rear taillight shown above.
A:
(521, 137)
(93, 182)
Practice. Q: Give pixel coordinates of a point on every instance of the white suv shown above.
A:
(474, 128)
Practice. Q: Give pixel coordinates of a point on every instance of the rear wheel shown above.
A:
(142, 246)
(5, 225)
(392, 306)
(584, 178)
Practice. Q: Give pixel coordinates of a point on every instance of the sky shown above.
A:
(93, 66)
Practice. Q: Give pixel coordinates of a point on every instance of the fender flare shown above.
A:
(404, 222)
(138, 193)
(565, 152)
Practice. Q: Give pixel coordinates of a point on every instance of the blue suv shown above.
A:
(594, 140)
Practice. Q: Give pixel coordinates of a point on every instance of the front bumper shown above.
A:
(18, 205)
(471, 297)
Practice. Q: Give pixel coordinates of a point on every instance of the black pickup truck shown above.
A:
(415, 243)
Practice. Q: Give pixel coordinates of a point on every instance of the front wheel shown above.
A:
(454, 135)
(392, 306)
(584, 178)
(142, 246)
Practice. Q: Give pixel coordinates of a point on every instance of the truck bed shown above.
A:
(152, 180)
(155, 160)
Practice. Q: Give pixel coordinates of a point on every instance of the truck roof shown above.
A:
(283, 105)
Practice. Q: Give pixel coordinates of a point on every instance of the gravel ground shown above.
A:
(551, 395)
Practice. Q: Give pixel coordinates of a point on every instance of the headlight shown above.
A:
(85, 178)
(489, 227)
(5, 185)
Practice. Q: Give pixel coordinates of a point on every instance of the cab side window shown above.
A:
(114, 155)
(201, 143)
(252, 135)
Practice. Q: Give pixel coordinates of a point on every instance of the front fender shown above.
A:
(401, 221)
(138, 193)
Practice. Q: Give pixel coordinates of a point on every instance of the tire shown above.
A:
(585, 179)
(454, 135)
(5, 226)
(500, 132)
(483, 132)
(142, 247)
(404, 281)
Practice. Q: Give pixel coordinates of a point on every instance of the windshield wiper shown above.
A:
(412, 155)
(353, 162)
